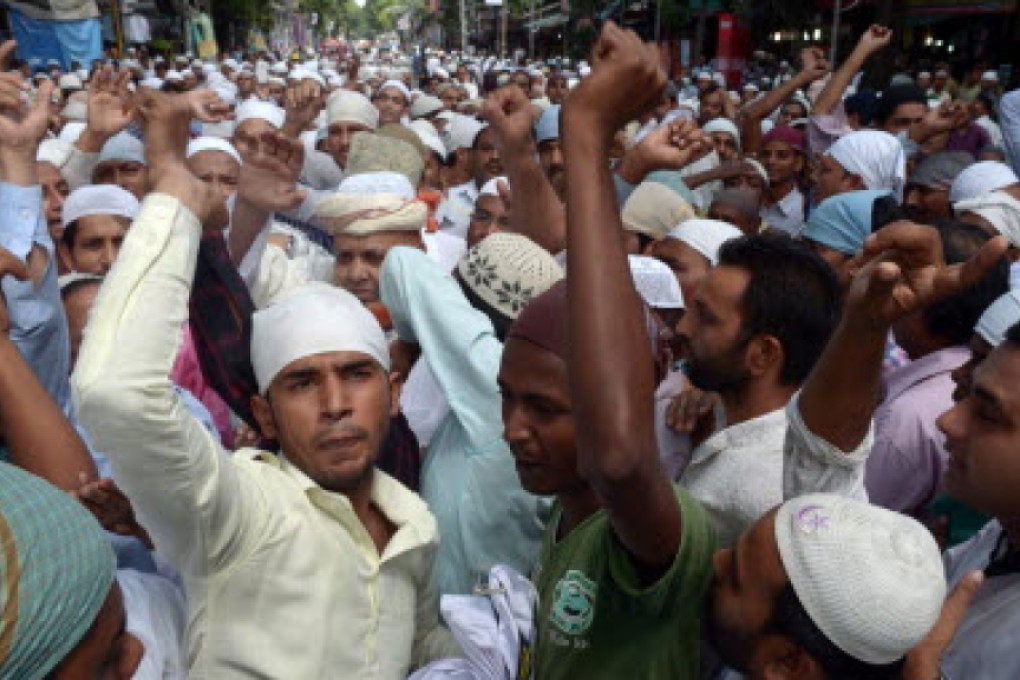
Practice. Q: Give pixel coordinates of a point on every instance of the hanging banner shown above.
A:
(65, 41)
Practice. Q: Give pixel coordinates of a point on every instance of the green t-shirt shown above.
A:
(595, 620)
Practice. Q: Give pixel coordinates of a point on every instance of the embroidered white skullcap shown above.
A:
(429, 136)
(876, 157)
(980, 178)
(1000, 316)
(123, 146)
(372, 202)
(201, 144)
(314, 318)
(507, 271)
(397, 85)
(491, 188)
(656, 283)
(871, 579)
(100, 199)
(53, 151)
(998, 208)
(705, 236)
(723, 125)
(256, 108)
(345, 106)
(462, 131)
(425, 105)
(653, 209)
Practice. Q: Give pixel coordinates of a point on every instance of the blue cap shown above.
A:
(843, 222)
(548, 125)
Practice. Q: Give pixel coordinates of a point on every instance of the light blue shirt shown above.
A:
(468, 479)
(1009, 122)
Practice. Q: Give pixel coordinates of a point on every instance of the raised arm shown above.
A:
(902, 270)
(813, 67)
(537, 211)
(610, 360)
(872, 41)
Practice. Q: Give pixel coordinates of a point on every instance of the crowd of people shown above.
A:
(328, 368)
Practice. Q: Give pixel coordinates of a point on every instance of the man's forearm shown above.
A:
(537, 211)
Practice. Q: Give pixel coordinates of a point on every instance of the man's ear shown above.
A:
(263, 412)
(396, 388)
(779, 658)
(764, 353)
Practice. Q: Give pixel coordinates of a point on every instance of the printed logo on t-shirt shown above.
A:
(573, 608)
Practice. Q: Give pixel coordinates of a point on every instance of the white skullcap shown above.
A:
(462, 131)
(256, 108)
(425, 105)
(705, 236)
(345, 106)
(198, 62)
(69, 81)
(491, 187)
(398, 85)
(274, 80)
(429, 136)
(507, 271)
(123, 146)
(75, 109)
(313, 319)
(991, 76)
(53, 151)
(372, 202)
(301, 73)
(71, 132)
(100, 199)
(981, 178)
(1000, 316)
(653, 209)
(231, 63)
(173, 77)
(656, 283)
(152, 83)
(871, 579)
(279, 68)
(1000, 209)
(723, 125)
(201, 144)
(876, 157)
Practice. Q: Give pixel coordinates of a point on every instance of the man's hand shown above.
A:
(167, 119)
(207, 107)
(625, 82)
(110, 108)
(303, 102)
(814, 65)
(22, 127)
(667, 147)
(12, 86)
(875, 39)
(901, 270)
(111, 508)
(924, 660)
(403, 355)
(269, 173)
(9, 265)
(512, 116)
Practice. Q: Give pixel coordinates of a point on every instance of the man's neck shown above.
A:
(377, 524)
(755, 400)
(578, 505)
(779, 190)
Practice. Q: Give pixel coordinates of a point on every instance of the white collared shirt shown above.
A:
(786, 214)
(454, 215)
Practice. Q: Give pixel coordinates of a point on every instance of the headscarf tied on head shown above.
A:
(843, 222)
(56, 571)
(876, 157)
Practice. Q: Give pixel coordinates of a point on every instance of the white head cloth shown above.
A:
(980, 178)
(723, 125)
(653, 209)
(871, 579)
(313, 319)
(370, 203)
(491, 187)
(462, 131)
(345, 106)
(256, 108)
(876, 157)
(705, 236)
(1000, 316)
(100, 199)
(656, 283)
(429, 136)
(1000, 209)
(397, 85)
(201, 144)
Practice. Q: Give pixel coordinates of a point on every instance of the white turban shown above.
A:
(313, 319)
(260, 110)
(1000, 316)
(370, 203)
(201, 144)
(100, 199)
(876, 157)
(1000, 209)
(653, 209)
(705, 236)
(655, 283)
(398, 85)
(345, 106)
(871, 579)
(723, 125)
(981, 178)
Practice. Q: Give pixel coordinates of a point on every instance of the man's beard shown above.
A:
(724, 373)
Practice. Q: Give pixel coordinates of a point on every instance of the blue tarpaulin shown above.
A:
(65, 41)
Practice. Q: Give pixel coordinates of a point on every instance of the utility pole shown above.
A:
(503, 11)
(531, 30)
(463, 27)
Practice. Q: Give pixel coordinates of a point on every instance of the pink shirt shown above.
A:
(187, 373)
